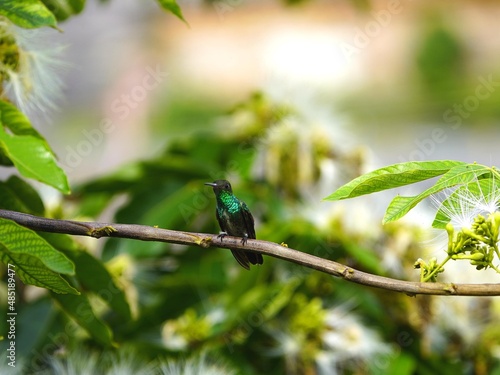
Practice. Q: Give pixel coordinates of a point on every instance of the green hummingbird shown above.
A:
(234, 219)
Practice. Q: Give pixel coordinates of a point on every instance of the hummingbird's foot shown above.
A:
(244, 240)
(222, 235)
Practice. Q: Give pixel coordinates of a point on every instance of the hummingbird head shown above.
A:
(220, 185)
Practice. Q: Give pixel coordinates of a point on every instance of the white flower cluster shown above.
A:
(30, 68)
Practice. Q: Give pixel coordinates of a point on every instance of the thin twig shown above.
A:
(147, 233)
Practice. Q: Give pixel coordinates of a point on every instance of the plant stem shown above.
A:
(204, 240)
(436, 270)
(495, 268)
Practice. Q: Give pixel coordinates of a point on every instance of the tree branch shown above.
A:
(147, 233)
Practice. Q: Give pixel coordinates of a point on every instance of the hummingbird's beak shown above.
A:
(212, 184)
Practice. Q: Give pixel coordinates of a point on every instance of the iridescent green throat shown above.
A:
(228, 201)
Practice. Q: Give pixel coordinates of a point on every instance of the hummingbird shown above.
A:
(234, 219)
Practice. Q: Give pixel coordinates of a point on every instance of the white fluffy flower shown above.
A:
(348, 342)
(195, 366)
(461, 206)
(30, 68)
(482, 197)
(345, 343)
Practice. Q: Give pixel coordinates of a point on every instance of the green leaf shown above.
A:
(467, 198)
(27, 138)
(63, 9)
(172, 7)
(36, 262)
(33, 159)
(29, 14)
(459, 175)
(32, 271)
(79, 308)
(20, 240)
(393, 176)
(16, 121)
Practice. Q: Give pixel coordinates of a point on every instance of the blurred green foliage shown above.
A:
(439, 77)
(440, 63)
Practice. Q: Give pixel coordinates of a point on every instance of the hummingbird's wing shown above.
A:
(248, 220)
(253, 258)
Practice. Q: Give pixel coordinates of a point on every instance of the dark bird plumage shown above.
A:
(234, 219)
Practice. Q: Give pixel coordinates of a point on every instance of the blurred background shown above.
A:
(288, 100)
(401, 79)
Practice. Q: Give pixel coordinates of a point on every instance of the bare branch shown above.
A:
(147, 233)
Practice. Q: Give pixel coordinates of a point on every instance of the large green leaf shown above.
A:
(20, 240)
(393, 176)
(29, 149)
(27, 13)
(36, 262)
(173, 7)
(32, 271)
(79, 308)
(459, 175)
(33, 159)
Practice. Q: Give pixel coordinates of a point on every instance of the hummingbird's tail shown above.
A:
(244, 258)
